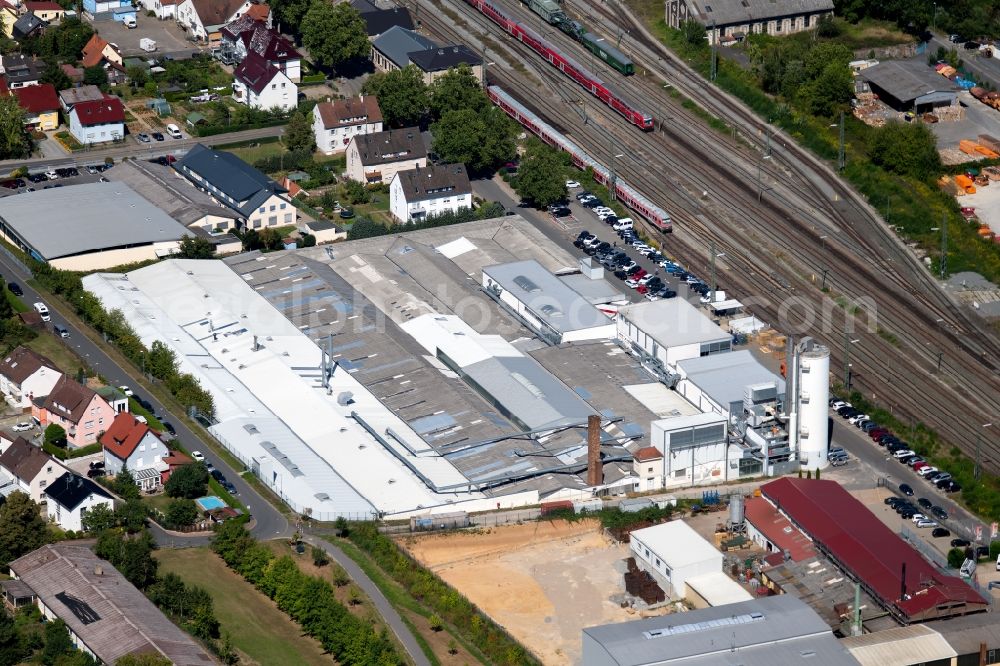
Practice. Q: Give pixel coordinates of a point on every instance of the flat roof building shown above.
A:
(546, 304)
(664, 332)
(89, 227)
(674, 553)
(721, 384)
(910, 85)
(761, 632)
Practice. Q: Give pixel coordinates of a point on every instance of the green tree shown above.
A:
(13, 138)
(908, 149)
(99, 518)
(22, 528)
(143, 659)
(55, 435)
(289, 13)
(457, 90)
(299, 133)
(479, 139)
(137, 76)
(195, 247)
(132, 556)
(161, 362)
(95, 76)
(694, 33)
(540, 178)
(132, 514)
(308, 240)
(53, 73)
(827, 27)
(181, 513)
(271, 239)
(402, 95)
(11, 651)
(187, 481)
(6, 310)
(124, 485)
(334, 34)
(355, 192)
(57, 642)
(956, 556)
(227, 653)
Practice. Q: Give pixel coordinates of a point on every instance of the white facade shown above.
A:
(72, 518)
(377, 173)
(670, 330)
(35, 487)
(187, 16)
(672, 553)
(163, 10)
(276, 211)
(695, 452)
(336, 139)
(88, 134)
(418, 211)
(148, 454)
(278, 93)
(813, 381)
(39, 383)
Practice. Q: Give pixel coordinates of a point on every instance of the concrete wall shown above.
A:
(99, 260)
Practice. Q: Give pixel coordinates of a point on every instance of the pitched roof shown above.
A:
(434, 181)
(22, 363)
(647, 453)
(216, 12)
(43, 6)
(24, 460)
(27, 24)
(69, 399)
(259, 12)
(726, 12)
(380, 20)
(390, 146)
(270, 45)
(124, 435)
(93, 50)
(349, 111)
(20, 68)
(233, 177)
(255, 72)
(100, 112)
(160, 186)
(235, 28)
(396, 42)
(70, 490)
(38, 99)
(111, 617)
(86, 93)
(444, 57)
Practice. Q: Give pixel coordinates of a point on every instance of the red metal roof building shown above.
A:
(778, 531)
(890, 569)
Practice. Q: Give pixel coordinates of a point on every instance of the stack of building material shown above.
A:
(965, 183)
(989, 141)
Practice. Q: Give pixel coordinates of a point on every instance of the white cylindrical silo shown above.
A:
(813, 404)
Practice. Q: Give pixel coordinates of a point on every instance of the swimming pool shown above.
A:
(210, 502)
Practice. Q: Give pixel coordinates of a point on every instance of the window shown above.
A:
(272, 207)
(42, 484)
(256, 223)
(274, 86)
(100, 421)
(282, 206)
(658, 563)
(142, 447)
(48, 470)
(679, 473)
(261, 209)
(649, 470)
(288, 218)
(282, 84)
(138, 463)
(646, 550)
(88, 425)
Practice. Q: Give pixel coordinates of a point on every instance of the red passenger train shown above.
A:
(566, 65)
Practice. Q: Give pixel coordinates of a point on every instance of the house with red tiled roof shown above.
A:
(336, 122)
(99, 50)
(41, 106)
(24, 373)
(647, 466)
(82, 413)
(25, 467)
(131, 444)
(98, 121)
(45, 9)
(261, 85)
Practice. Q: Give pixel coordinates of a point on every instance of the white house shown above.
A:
(70, 497)
(250, 34)
(261, 85)
(375, 158)
(163, 9)
(98, 121)
(25, 467)
(131, 444)
(204, 19)
(24, 374)
(420, 193)
(673, 553)
(336, 123)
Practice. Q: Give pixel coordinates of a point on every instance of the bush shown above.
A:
(55, 434)
(956, 556)
(994, 550)
(187, 481)
(180, 513)
(320, 558)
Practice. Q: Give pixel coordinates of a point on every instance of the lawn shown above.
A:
(251, 154)
(257, 627)
(65, 358)
(16, 303)
(152, 421)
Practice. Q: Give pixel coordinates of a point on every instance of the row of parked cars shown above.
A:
(899, 449)
(909, 511)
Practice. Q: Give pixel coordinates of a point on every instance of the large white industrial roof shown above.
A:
(725, 377)
(673, 322)
(326, 459)
(718, 589)
(677, 544)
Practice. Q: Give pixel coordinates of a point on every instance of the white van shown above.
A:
(42, 310)
(129, 22)
(174, 131)
(623, 223)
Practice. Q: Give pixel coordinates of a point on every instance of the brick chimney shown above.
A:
(595, 469)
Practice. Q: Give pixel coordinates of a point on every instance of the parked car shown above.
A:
(903, 453)
(15, 289)
(906, 490)
(60, 331)
(217, 475)
(97, 464)
(94, 473)
(174, 131)
(926, 523)
(143, 137)
(940, 532)
(157, 136)
(572, 184)
(43, 310)
(230, 488)
(198, 455)
(23, 426)
(960, 543)
(169, 428)
(939, 513)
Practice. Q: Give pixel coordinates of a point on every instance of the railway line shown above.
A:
(894, 378)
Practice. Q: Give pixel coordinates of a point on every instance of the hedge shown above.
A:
(64, 454)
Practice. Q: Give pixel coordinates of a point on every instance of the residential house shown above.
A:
(28, 25)
(98, 121)
(24, 374)
(6, 439)
(173, 460)
(74, 73)
(237, 185)
(72, 96)
(163, 9)
(106, 616)
(398, 47)
(204, 19)
(335, 123)
(8, 15)
(45, 10)
(25, 467)
(20, 70)
(323, 231)
(99, 50)
(424, 192)
(261, 85)
(41, 106)
(378, 21)
(375, 158)
(132, 445)
(250, 35)
(70, 497)
(115, 397)
(82, 413)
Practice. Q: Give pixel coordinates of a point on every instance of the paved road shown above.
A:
(382, 605)
(131, 148)
(270, 522)
(984, 68)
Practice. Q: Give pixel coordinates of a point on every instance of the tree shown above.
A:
(909, 149)
(181, 513)
(334, 34)
(540, 177)
(53, 73)
(289, 13)
(271, 239)
(143, 659)
(95, 76)
(299, 133)
(137, 76)
(694, 33)
(308, 240)
(22, 528)
(6, 310)
(402, 95)
(57, 642)
(55, 435)
(161, 361)
(458, 89)
(956, 556)
(479, 139)
(436, 623)
(187, 481)
(11, 651)
(194, 247)
(227, 653)
(13, 139)
(132, 556)
(99, 518)
(320, 558)
(827, 27)
(124, 485)
(355, 192)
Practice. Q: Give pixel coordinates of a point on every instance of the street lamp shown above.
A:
(943, 264)
(841, 158)
(978, 470)
(847, 357)
(760, 188)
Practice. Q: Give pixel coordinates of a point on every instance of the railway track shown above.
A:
(900, 384)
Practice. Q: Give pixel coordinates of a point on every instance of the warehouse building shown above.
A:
(695, 450)
(89, 227)
(732, 20)
(760, 632)
(735, 385)
(547, 305)
(908, 85)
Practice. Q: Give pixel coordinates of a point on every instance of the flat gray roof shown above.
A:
(772, 631)
(724, 377)
(596, 291)
(725, 12)
(546, 296)
(168, 191)
(907, 80)
(673, 322)
(77, 219)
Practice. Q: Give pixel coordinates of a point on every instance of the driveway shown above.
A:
(169, 38)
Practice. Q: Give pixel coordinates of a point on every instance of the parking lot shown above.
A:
(37, 181)
(169, 38)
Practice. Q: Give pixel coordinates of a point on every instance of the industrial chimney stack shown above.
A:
(595, 470)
